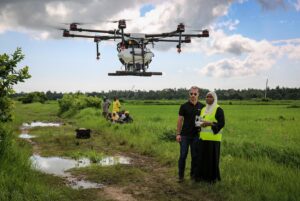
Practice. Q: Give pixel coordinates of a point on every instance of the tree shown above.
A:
(9, 76)
(34, 97)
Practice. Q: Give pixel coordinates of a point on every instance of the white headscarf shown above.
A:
(210, 108)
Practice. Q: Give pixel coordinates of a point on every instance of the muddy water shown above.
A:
(26, 136)
(39, 124)
(58, 167)
(107, 161)
(26, 126)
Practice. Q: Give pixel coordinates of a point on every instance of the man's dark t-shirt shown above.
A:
(189, 112)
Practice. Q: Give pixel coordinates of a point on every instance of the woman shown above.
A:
(210, 140)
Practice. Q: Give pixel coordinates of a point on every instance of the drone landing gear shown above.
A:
(131, 73)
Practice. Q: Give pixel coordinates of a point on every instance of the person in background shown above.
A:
(127, 118)
(212, 122)
(114, 117)
(122, 116)
(116, 105)
(105, 106)
(187, 133)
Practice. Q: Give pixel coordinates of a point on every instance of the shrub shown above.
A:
(72, 103)
(34, 97)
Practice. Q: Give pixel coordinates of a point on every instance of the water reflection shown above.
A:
(39, 124)
(107, 161)
(58, 167)
(26, 136)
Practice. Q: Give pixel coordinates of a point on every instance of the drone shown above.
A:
(132, 47)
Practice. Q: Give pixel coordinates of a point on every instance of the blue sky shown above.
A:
(257, 23)
(241, 52)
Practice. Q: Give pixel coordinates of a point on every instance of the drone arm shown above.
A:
(204, 33)
(94, 37)
(170, 34)
(168, 40)
(93, 30)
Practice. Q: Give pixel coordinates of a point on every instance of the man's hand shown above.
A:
(178, 138)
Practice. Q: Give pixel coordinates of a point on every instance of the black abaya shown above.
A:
(209, 153)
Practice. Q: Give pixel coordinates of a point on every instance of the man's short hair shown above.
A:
(194, 88)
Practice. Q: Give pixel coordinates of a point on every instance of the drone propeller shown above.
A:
(116, 21)
(76, 23)
(197, 30)
(57, 28)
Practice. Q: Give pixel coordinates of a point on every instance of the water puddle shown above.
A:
(26, 126)
(39, 124)
(107, 161)
(26, 136)
(58, 166)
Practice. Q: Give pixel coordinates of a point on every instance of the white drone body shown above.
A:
(132, 56)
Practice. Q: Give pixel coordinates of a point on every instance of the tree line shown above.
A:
(278, 93)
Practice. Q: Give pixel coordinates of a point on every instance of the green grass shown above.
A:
(260, 155)
(19, 182)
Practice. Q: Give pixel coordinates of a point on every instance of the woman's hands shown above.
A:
(206, 123)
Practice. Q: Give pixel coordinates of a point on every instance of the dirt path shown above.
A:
(117, 194)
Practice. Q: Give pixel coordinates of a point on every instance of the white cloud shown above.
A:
(57, 9)
(246, 57)
(229, 24)
(297, 5)
(220, 10)
(220, 43)
(253, 64)
(290, 48)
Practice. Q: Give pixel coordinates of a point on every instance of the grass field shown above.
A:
(260, 154)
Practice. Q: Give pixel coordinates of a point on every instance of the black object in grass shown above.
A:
(83, 133)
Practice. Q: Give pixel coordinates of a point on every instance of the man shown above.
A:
(187, 133)
(116, 105)
(105, 106)
(127, 118)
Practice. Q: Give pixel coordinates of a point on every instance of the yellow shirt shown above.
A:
(116, 106)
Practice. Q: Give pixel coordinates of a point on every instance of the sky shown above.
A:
(250, 41)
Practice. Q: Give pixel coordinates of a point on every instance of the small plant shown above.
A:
(168, 135)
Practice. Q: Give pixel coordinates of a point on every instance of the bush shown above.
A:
(266, 99)
(72, 103)
(34, 97)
